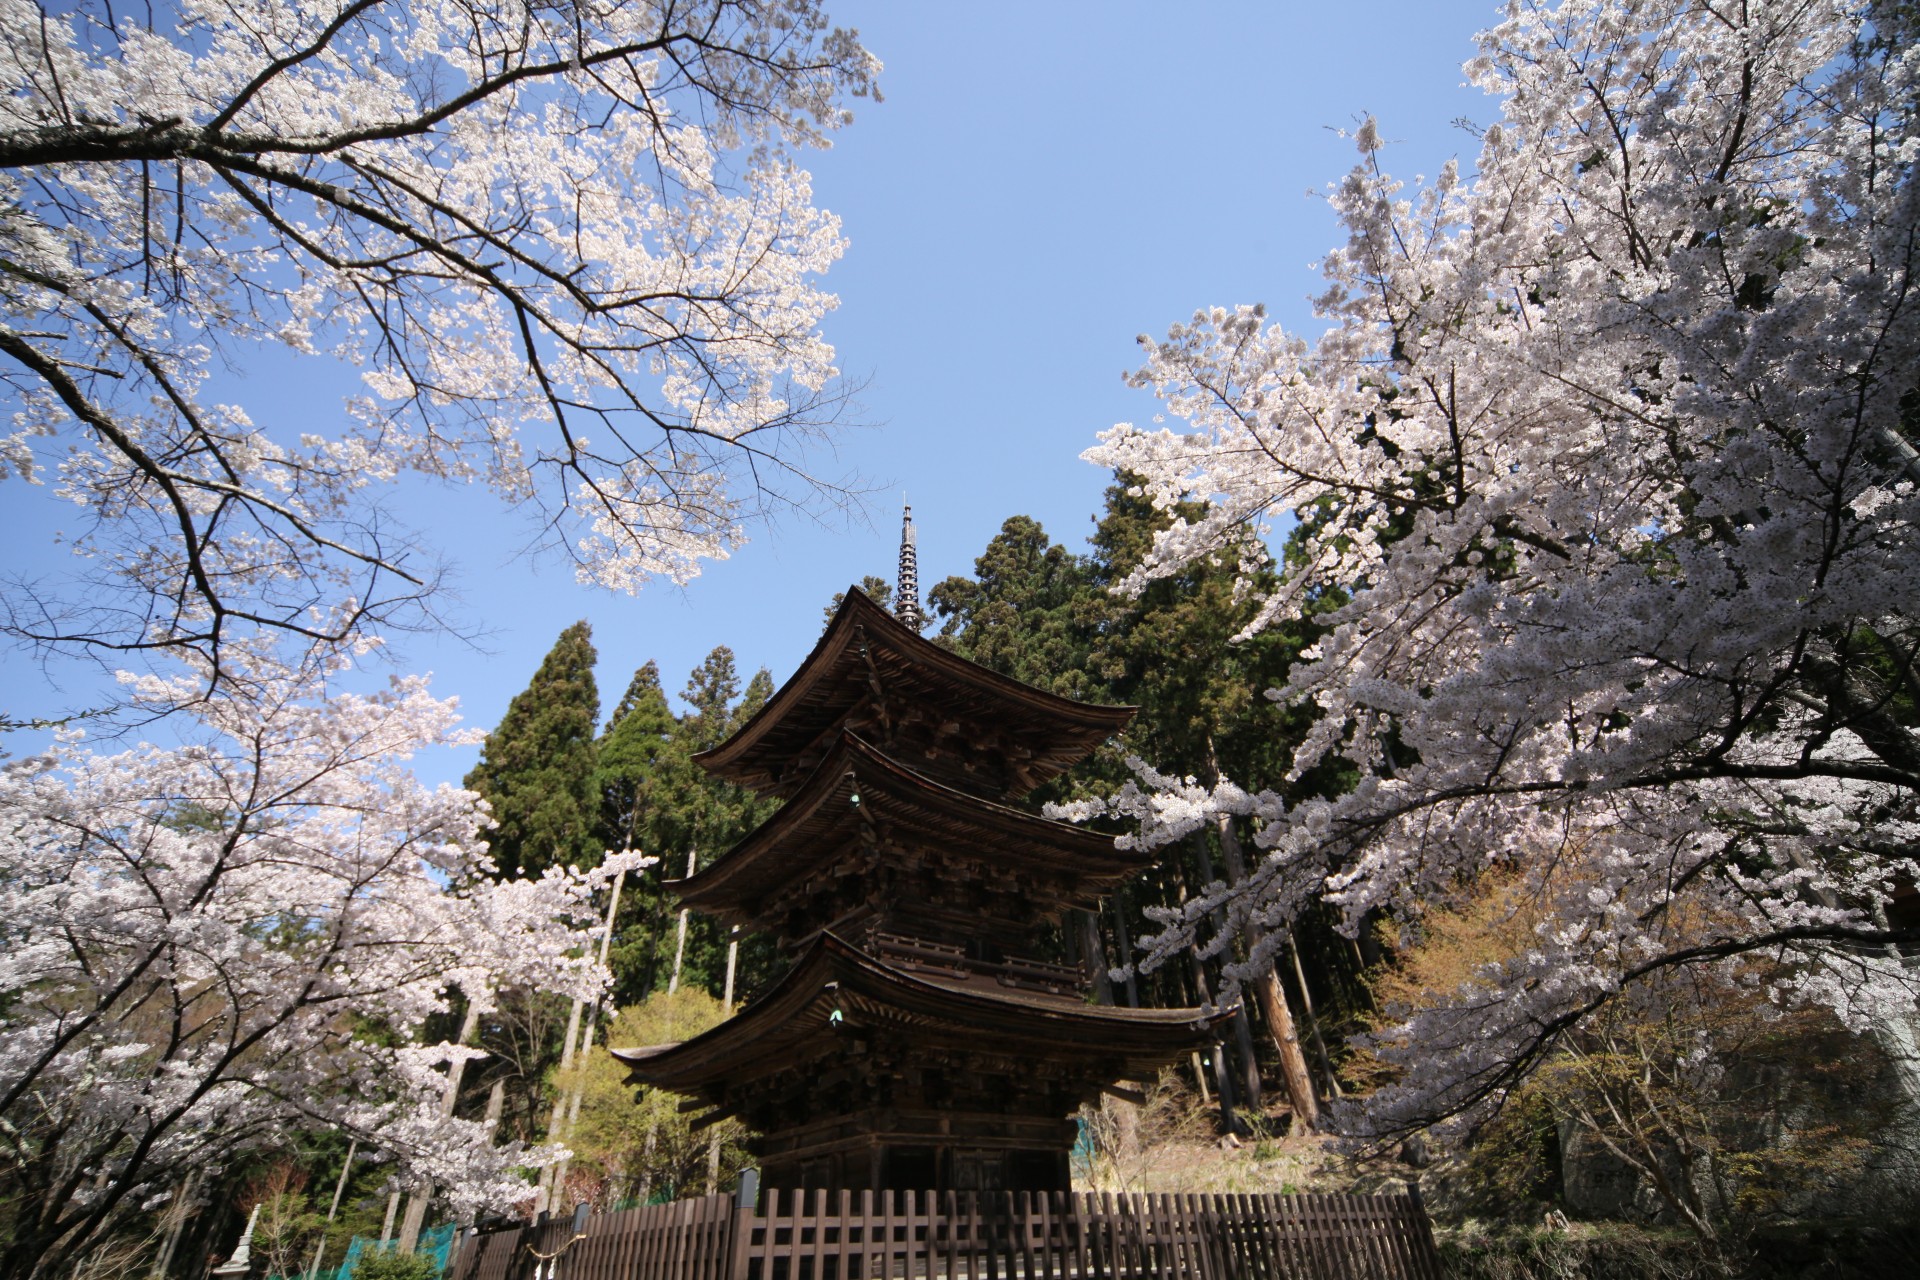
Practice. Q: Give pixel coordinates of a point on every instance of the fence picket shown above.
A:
(925, 1235)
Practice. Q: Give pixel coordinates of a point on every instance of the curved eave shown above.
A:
(810, 827)
(808, 704)
(833, 974)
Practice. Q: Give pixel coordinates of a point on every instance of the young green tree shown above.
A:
(634, 1141)
(536, 770)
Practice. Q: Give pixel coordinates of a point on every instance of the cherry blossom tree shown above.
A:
(564, 244)
(1612, 445)
(206, 946)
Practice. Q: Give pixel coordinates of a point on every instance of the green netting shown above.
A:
(435, 1244)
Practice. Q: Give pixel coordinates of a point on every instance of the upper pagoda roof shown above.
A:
(867, 654)
(856, 785)
(834, 977)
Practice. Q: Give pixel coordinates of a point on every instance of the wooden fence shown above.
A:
(905, 1235)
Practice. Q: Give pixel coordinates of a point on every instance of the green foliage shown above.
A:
(561, 794)
(536, 770)
(1030, 611)
(1041, 614)
(1723, 1105)
(632, 764)
(878, 590)
(637, 1136)
(389, 1265)
(654, 797)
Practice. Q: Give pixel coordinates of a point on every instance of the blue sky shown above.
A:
(1042, 183)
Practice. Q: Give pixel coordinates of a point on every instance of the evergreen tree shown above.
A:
(714, 815)
(1038, 612)
(654, 797)
(759, 689)
(711, 690)
(537, 768)
(1029, 611)
(633, 761)
(878, 590)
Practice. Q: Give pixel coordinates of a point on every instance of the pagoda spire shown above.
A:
(906, 592)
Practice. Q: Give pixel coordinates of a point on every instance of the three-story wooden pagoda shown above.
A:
(916, 1042)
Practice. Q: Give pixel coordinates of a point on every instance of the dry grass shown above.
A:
(1173, 1144)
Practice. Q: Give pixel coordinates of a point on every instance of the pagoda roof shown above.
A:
(855, 785)
(841, 672)
(835, 977)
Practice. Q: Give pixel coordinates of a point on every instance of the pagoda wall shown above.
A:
(920, 1149)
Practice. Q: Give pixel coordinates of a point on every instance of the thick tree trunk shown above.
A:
(1313, 1020)
(1249, 1057)
(417, 1206)
(1273, 1002)
(1096, 957)
(1242, 1025)
(1293, 1063)
(1217, 1053)
(1125, 946)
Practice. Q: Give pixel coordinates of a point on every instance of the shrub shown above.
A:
(389, 1265)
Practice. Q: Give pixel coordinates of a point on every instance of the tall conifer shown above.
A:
(641, 777)
(537, 768)
(632, 763)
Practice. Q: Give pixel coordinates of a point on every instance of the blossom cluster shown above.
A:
(206, 946)
(565, 247)
(1610, 446)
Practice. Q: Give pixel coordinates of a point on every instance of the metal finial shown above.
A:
(906, 592)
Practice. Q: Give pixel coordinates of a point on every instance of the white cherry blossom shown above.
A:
(564, 244)
(205, 946)
(1611, 444)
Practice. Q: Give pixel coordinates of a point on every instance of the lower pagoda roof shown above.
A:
(858, 801)
(836, 989)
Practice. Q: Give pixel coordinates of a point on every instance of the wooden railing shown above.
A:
(1073, 1236)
